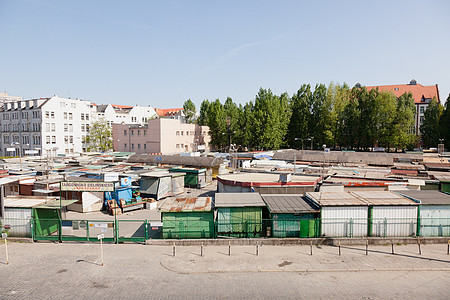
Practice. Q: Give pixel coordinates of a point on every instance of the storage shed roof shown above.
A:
(335, 199)
(428, 197)
(238, 200)
(186, 204)
(193, 161)
(289, 204)
(383, 198)
(26, 201)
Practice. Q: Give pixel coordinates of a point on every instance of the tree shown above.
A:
(298, 123)
(217, 124)
(338, 96)
(99, 137)
(403, 123)
(203, 118)
(444, 123)
(429, 129)
(189, 111)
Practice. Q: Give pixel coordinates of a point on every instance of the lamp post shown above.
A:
(300, 139)
(311, 139)
(441, 148)
(20, 152)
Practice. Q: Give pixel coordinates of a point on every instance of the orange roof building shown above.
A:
(168, 112)
(422, 95)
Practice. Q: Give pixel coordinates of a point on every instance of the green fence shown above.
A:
(141, 230)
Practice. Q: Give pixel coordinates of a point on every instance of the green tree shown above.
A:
(444, 123)
(271, 115)
(430, 129)
(99, 137)
(338, 96)
(217, 125)
(403, 123)
(189, 111)
(298, 127)
(203, 117)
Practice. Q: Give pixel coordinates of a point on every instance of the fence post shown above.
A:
(448, 247)
(367, 246)
(173, 250)
(420, 250)
(310, 248)
(339, 247)
(146, 230)
(229, 248)
(392, 246)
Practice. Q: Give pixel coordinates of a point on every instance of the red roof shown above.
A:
(162, 112)
(418, 91)
(121, 106)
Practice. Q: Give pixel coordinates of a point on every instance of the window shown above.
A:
(71, 139)
(65, 115)
(47, 139)
(73, 105)
(145, 146)
(125, 145)
(47, 114)
(421, 119)
(62, 104)
(52, 114)
(87, 117)
(132, 146)
(66, 127)
(70, 116)
(132, 132)
(422, 109)
(145, 132)
(53, 139)
(139, 132)
(47, 127)
(53, 127)
(178, 146)
(66, 139)
(82, 117)
(82, 127)
(178, 133)
(139, 146)
(87, 127)
(70, 128)
(181, 132)
(125, 132)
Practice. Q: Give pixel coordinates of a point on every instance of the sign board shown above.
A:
(31, 152)
(125, 181)
(327, 150)
(4, 235)
(104, 229)
(110, 177)
(156, 224)
(10, 149)
(201, 147)
(100, 225)
(101, 236)
(85, 186)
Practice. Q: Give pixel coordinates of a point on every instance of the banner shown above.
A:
(87, 186)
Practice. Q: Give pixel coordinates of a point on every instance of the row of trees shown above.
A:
(436, 124)
(336, 116)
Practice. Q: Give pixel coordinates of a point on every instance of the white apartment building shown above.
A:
(117, 114)
(47, 125)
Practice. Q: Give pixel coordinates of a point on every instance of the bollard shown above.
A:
(229, 248)
(420, 250)
(367, 247)
(6, 251)
(310, 247)
(101, 250)
(257, 250)
(448, 247)
(339, 247)
(392, 246)
(201, 250)
(173, 251)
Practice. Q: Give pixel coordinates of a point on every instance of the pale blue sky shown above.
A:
(161, 53)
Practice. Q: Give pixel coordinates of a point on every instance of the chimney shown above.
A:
(413, 82)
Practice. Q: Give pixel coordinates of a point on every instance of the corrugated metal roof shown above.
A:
(186, 204)
(238, 200)
(288, 204)
(193, 161)
(359, 198)
(428, 197)
(56, 204)
(383, 198)
(335, 199)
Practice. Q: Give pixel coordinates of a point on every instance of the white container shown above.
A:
(344, 221)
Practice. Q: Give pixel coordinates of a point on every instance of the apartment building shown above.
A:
(114, 113)
(46, 125)
(161, 135)
(422, 97)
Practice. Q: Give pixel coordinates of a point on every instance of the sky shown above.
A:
(161, 53)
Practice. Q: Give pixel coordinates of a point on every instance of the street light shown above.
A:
(300, 139)
(311, 139)
(20, 152)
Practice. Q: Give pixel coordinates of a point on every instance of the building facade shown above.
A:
(117, 114)
(422, 97)
(45, 126)
(161, 135)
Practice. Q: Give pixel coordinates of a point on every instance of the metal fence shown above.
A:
(142, 230)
